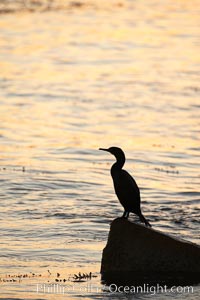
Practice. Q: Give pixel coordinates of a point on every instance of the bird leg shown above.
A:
(125, 214)
(143, 220)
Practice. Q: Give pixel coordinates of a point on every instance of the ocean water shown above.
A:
(80, 77)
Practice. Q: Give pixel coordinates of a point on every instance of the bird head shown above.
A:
(117, 152)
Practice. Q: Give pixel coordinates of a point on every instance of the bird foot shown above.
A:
(124, 217)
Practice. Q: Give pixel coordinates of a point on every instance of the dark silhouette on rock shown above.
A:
(125, 186)
(135, 254)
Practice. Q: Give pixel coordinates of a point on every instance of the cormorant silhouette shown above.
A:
(125, 186)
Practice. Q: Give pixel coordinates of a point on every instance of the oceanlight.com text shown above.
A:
(150, 289)
(112, 288)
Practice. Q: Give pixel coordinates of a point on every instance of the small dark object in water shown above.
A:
(76, 4)
(49, 272)
(125, 186)
(80, 277)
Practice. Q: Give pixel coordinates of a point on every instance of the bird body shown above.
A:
(125, 186)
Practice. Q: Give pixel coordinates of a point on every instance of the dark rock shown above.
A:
(137, 254)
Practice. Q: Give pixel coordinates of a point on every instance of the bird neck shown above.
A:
(120, 161)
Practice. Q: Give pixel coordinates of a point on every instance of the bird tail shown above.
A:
(143, 220)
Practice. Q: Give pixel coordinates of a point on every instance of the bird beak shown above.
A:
(103, 149)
